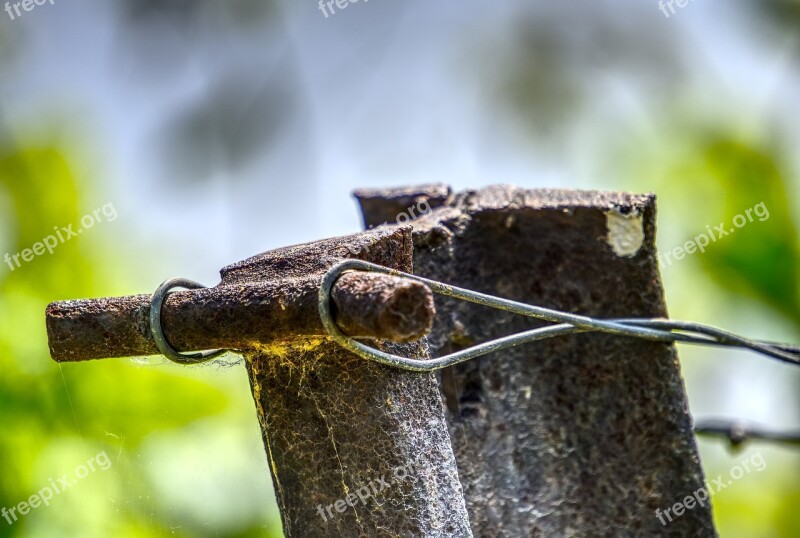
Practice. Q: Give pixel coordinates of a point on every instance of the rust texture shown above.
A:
(237, 317)
(356, 448)
(585, 435)
(405, 204)
(384, 306)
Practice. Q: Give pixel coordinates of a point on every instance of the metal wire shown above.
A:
(738, 433)
(165, 347)
(658, 330)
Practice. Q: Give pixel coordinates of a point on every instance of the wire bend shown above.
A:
(157, 331)
(659, 330)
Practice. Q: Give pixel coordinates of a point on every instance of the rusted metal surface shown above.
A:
(240, 316)
(356, 448)
(405, 204)
(382, 306)
(585, 435)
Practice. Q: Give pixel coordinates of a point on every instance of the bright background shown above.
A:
(222, 129)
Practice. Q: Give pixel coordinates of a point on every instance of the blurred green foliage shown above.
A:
(759, 261)
(54, 417)
(707, 178)
(762, 259)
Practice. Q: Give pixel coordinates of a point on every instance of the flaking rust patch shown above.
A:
(625, 232)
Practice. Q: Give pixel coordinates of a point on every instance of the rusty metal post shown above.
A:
(236, 317)
(586, 435)
(355, 448)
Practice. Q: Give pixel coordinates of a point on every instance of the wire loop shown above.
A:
(156, 329)
(653, 329)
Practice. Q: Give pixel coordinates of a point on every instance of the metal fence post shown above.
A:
(586, 435)
(355, 448)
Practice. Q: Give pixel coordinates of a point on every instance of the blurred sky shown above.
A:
(381, 93)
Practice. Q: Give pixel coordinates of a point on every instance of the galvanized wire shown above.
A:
(738, 433)
(654, 329)
(157, 331)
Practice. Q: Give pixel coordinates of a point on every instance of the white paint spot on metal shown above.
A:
(625, 232)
